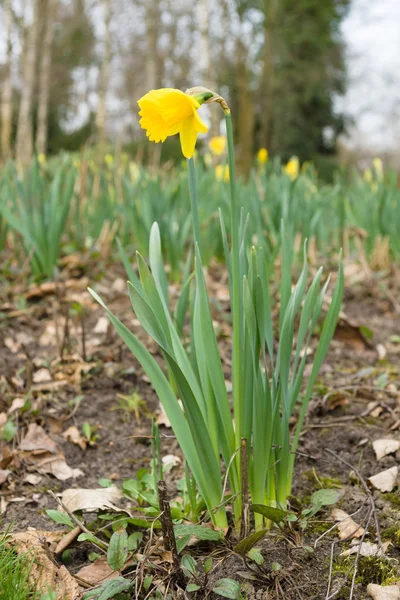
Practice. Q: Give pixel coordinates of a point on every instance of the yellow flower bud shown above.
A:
(292, 168)
(262, 156)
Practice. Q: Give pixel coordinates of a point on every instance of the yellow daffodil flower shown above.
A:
(217, 145)
(109, 160)
(262, 156)
(378, 166)
(292, 168)
(41, 159)
(167, 112)
(222, 172)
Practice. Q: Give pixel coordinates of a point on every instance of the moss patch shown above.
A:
(393, 498)
(370, 569)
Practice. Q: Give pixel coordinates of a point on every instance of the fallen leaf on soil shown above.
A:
(16, 404)
(383, 592)
(45, 573)
(162, 418)
(367, 549)
(3, 419)
(91, 500)
(385, 481)
(7, 456)
(384, 447)
(119, 285)
(97, 572)
(12, 345)
(101, 325)
(4, 475)
(49, 335)
(381, 350)
(170, 460)
(32, 479)
(37, 439)
(57, 466)
(351, 333)
(42, 376)
(347, 527)
(72, 435)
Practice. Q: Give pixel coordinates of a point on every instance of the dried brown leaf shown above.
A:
(385, 481)
(97, 572)
(346, 526)
(384, 447)
(72, 435)
(91, 500)
(383, 592)
(37, 439)
(45, 573)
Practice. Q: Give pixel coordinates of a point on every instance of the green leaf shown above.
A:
(61, 518)
(199, 531)
(228, 588)
(256, 555)
(9, 431)
(134, 540)
(326, 497)
(276, 515)
(246, 545)
(192, 587)
(208, 564)
(86, 537)
(105, 483)
(182, 542)
(109, 589)
(117, 552)
(189, 565)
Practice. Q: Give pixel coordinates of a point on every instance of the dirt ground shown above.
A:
(73, 370)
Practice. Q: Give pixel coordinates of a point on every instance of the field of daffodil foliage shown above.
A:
(85, 203)
(234, 392)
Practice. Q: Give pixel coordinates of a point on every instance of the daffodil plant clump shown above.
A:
(238, 449)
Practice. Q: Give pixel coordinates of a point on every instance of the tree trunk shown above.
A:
(49, 7)
(6, 106)
(152, 75)
(268, 77)
(104, 75)
(245, 112)
(24, 143)
(152, 27)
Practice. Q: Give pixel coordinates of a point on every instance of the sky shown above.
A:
(372, 35)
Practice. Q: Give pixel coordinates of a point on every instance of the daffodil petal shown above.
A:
(200, 126)
(188, 136)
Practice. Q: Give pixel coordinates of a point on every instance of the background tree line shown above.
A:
(73, 70)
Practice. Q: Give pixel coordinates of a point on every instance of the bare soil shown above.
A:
(356, 401)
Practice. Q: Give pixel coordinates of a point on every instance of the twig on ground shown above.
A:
(99, 543)
(168, 529)
(353, 580)
(367, 491)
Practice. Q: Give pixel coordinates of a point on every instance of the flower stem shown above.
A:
(193, 202)
(235, 301)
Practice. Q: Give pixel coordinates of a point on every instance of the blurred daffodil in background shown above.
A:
(292, 168)
(41, 159)
(217, 145)
(222, 172)
(262, 156)
(109, 160)
(167, 111)
(378, 166)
